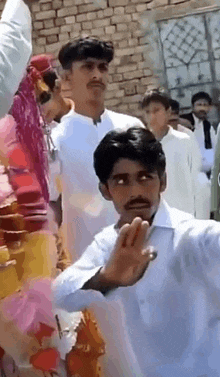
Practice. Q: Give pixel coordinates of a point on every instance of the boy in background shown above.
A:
(181, 167)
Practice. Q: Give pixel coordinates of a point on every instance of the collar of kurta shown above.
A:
(198, 123)
(206, 129)
(167, 217)
(168, 135)
(88, 119)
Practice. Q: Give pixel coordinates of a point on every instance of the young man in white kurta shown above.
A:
(202, 186)
(203, 130)
(85, 62)
(15, 49)
(182, 169)
(84, 210)
(171, 313)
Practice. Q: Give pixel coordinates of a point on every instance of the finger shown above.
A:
(133, 231)
(141, 236)
(121, 240)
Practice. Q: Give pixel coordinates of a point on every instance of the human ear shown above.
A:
(163, 182)
(103, 188)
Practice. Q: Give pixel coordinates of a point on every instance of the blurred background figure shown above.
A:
(178, 123)
(203, 131)
(202, 185)
(15, 48)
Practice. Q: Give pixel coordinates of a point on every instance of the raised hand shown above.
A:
(129, 259)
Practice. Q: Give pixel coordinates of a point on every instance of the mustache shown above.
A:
(95, 82)
(132, 202)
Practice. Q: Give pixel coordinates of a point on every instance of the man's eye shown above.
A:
(89, 66)
(103, 67)
(120, 181)
(145, 177)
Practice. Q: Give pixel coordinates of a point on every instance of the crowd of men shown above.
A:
(136, 264)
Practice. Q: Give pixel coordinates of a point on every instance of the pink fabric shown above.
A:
(30, 307)
(22, 177)
(28, 129)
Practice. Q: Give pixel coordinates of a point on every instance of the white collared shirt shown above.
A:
(15, 50)
(85, 212)
(170, 318)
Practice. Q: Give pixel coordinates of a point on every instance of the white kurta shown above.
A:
(15, 49)
(180, 168)
(202, 189)
(172, 314)
(53, 130)
(85, 212)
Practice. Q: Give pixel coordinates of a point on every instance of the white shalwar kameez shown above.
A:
(85, 212)
(171, 315)
(182, 170)
(202, 192)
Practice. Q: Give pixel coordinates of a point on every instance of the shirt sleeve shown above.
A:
(209, 253)
(67, 287)
(15, 49)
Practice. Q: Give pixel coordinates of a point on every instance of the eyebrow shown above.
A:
(147, 172)
(125, 175)
(119, 176)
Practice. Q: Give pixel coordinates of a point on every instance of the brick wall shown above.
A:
(57, 21)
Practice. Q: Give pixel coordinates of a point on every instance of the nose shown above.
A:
(135, 190)
(97, 74)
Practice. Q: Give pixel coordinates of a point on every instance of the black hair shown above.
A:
(83, 48)
(201, 95)
(155, 95)
(50, 78)
(136, 143)
(174, 105)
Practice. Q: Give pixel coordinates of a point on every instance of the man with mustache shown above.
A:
(85, 62)
(203, 131)
(170, 305)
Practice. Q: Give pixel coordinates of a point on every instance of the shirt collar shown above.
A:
(162, 217)
(165, 217)
(168, 135)
(90, 120)
(168, 217)
(198, 122)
